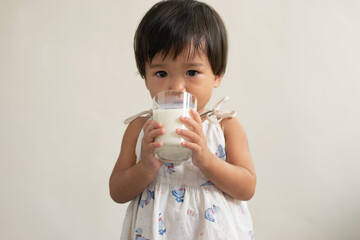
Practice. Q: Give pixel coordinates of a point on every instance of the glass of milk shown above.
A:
(168, 106)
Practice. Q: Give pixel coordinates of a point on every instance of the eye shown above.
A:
(161, 74)
(192, 73)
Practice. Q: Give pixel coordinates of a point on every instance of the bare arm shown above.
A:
(129, 178)
(236, 176)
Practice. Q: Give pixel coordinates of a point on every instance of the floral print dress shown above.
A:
(180, 203)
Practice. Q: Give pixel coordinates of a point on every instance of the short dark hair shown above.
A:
(171, 26)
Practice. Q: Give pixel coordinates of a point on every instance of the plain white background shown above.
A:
(68, 79)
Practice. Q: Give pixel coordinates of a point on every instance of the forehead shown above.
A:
(182, 60)
(188, 54)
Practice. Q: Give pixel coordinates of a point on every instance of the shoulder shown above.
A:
(233, 129)
(130, 139)
(229, 124)
(138, 122)
(127, 156)
(134, 128)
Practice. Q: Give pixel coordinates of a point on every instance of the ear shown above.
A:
(217, 81)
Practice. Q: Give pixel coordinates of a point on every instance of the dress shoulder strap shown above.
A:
(147, 113)
(216, 111)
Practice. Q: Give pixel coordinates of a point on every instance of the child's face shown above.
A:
(188, 72)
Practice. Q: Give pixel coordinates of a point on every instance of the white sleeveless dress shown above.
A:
(180, 203)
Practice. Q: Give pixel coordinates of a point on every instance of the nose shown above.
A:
(177, 83)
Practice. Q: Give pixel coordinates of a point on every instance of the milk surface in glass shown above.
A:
(171, 150)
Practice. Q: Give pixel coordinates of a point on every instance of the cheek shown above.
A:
(151, 83)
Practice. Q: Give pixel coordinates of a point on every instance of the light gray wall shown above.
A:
(68, 80)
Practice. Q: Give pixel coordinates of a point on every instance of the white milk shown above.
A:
(171, 151)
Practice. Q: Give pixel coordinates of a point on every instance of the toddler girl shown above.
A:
(182, 45)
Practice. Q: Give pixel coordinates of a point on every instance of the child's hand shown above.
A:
(196, 139)
(152, 129)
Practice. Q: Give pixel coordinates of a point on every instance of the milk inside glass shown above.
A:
(168, 107)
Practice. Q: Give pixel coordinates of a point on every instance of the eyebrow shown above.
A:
(159, 65)
(151, 65)
(195, 64)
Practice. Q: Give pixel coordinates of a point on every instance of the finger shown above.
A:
(149, 149)
(152, 134)
(151, 129)
(189, 135)
(146, 125)
(195, 115)
(154, 145)
(150, 125)
(192, 124)
(190, 145)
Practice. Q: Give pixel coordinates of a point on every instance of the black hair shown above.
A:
(171, 26)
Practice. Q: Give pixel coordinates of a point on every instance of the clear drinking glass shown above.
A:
(168, 106)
